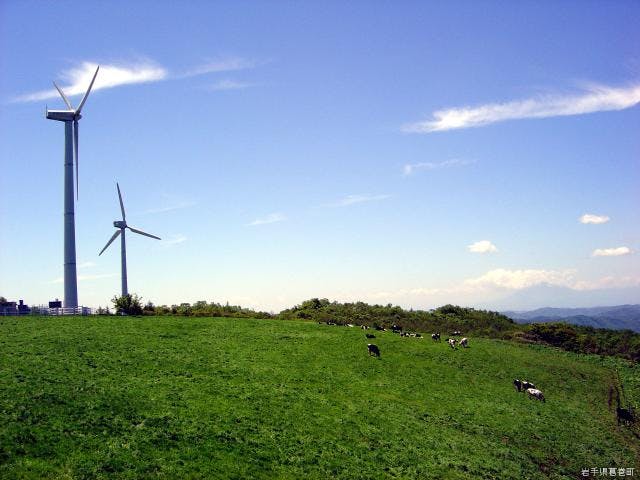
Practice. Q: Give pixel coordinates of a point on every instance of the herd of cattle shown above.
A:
(374, 350)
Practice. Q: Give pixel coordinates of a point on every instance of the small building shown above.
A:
(8, 308)
(55, 303)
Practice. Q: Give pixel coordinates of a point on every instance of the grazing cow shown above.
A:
(364, 327)
(464, 342)
(373, 349)
(396, 328)
(527, 385)
(435, 337)
(517, 384)
(370, 335)
(452, 342)
(535, 393)
(456, 333)
(625, 415)
(350, 325)
(379, 328)
(418, 335)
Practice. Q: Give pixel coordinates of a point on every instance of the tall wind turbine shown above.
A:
(121, 225)
(70, 118)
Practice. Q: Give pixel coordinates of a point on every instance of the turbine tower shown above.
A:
(70, 118)
(121, 225)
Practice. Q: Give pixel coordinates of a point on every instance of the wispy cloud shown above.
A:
(595, 219)
(595, 98)
(354, 199)
(84, 278)
(174, 239)
(175, 206)
(271, 218)
(483, 246)
(410, 168)
(225, 64)
(229, 85)
(76, 80)
(611, 252)
(86, 265)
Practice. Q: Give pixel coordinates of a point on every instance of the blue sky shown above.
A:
(417, 153)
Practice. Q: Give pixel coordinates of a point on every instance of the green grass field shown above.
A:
(175, 398)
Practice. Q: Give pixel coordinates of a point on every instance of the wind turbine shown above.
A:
(121, 225)
(70, 118)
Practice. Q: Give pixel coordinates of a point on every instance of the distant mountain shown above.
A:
(620, 317)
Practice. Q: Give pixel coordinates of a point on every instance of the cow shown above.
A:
(464, 342)
(350, 325)
(456, 333)
(370, 335)
(396, 328)
(379, 328)
(373, 350)
(625, 415)
(527, 385)
(452, 342)
(418, 335)
(435, 336)
(517, 385)
(535, 393)
(364, 327)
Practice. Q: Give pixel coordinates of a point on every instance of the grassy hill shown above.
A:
(174, 397)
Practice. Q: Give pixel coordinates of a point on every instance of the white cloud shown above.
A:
(176, 206)
(519, 279)
(410, 168)
(227, 64)
(595, 219)
(271, 218)
(611, 252)
(86, 265)
(76, 80)
(595, 98)
(174, 239)
(229, 85)
(353, 199)
(483, 246)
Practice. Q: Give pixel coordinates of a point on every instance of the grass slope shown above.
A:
(167, 397)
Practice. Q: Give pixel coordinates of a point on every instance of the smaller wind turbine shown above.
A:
(121, 225)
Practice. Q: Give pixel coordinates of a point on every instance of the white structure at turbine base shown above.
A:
(70, 118)
(121, 225)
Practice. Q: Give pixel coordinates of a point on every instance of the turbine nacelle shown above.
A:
(63, 115)
(120, 224)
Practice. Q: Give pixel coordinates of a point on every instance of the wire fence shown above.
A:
(44, 310)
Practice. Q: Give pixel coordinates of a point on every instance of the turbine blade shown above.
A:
(75, 153)
(64, 97)
(143, 233)
(124, 217)
(84, 99)
(115, 235)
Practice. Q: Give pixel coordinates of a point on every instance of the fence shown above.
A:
(44, 310)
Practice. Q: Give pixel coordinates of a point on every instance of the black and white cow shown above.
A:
(535, 393)
(464, 342)
(517, 384)
(373, 349)
(435, 336)
(370, 335)
(452, 342)
(527, 385)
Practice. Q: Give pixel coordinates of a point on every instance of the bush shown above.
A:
(128, 304)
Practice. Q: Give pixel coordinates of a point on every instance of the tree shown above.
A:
(2, 299)
(127, 304)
